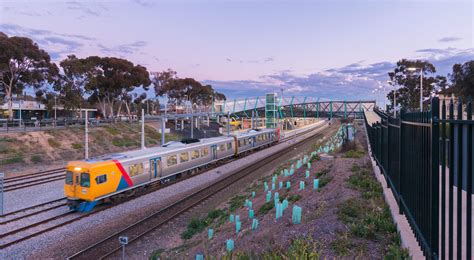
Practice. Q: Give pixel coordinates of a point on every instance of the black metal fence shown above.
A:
(427, 162)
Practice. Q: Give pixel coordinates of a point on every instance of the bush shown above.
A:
(36, 159)
(195, 226)
(265, 208)
(53, 143)
(294, 198)
(123, 142)
(76, 146)
(236, 202)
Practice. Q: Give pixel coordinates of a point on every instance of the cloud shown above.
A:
(121, 49)
(90, 9)
(254, 61)
(450, 39)
(354, 81)
(144, 3)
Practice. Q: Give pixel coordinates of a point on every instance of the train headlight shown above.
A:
(77, 169)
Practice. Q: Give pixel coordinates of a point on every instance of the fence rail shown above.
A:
(426, 159)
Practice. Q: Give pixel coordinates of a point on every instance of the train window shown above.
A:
(172, 160)
(222, 147)
(250, 140)
(184, 157)
(69, 177)
(240, 143)
(136, 169)
(101, 179)
(194, 154)
(85, 180)
(229, 146)
(205, 151)
(245, 141)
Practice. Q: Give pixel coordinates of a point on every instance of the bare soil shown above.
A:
(321, 227)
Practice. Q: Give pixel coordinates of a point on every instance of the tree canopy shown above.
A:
(23, 63)
(179, 90)
(408, 82)
(462, 79)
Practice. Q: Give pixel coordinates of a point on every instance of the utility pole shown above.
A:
(143, 128)
(86, 139)
(162, 130)
(20, 111)
(54, 111)
(228, 123)
(192, 126)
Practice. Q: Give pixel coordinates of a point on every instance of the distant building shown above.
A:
(32, 110)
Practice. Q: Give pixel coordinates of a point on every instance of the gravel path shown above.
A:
(27, 197)
(81, 233)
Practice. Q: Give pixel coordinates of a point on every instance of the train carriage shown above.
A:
(91, 181)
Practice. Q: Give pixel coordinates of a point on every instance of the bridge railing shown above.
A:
(426, 159)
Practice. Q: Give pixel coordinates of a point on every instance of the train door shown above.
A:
(254, 141)
(155, 167)
(214, 152)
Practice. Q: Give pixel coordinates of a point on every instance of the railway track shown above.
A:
(109, 245)
(31, 211)
(65, 217)
(33, 179)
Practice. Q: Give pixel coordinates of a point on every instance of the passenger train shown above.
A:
(92, 181)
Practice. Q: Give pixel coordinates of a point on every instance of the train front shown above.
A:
(77, 186)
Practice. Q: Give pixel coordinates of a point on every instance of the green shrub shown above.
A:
(236, 202)
(124, 142)
(294, 198)
(266, 207)
(111, 130)
(323, 181)
(195, 226)
(36, 159)
(53, 143)
(17, 158)
(76, 146)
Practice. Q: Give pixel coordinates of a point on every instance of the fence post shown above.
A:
(401, 164)
(434, 177)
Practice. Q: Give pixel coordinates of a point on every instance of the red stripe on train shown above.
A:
(124, 173)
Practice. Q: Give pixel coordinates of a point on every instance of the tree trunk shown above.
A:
(128, 111)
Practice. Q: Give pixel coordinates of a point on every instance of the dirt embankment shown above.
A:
(52, 148)
(345, 217)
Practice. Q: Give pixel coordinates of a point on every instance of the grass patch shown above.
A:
(36, 159)
(53, 143)
(236, 202)
(314, 158)
(196, 225)
(76, 146)
(354, 154)
(355, 168)
(266, 207)
(323, 181)
(17, 158)
(111, 130)
(7, 140)
(294, 198)
(342, 245)
(124, 142)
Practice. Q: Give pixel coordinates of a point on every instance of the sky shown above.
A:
(338, 49)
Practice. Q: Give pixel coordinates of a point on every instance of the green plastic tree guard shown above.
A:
(254, 224)
(285, 204)
(307, 174)
(278, 211)
(301, 185)
(199, 257)
(238, 225)
(231, 218)
(296, 215)
(288, 185)
(251, 213)
(230, 245)
(269, 196)
(253, 194)
(315, 184)
(308, 165)
(210, 233)
(280, 185)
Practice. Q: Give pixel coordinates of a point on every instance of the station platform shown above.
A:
(372, 117)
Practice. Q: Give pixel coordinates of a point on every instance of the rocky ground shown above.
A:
(345, 217)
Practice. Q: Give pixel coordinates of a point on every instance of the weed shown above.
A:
(195, 226)
(123, 142)
(355, 168)
(265, 208)
(111, 130)
(7, 139)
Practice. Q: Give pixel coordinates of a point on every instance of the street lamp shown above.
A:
(394, 97)
(55, 111)
(421, 84)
